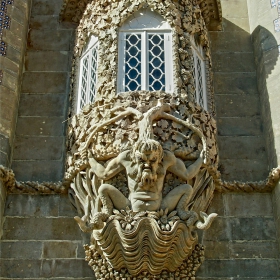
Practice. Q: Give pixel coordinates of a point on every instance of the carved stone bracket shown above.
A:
(140, 169)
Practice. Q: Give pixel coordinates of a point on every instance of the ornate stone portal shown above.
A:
(140, 170)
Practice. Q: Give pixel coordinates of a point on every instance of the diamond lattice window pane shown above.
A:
(83, 97)
(200, 83)
(93, 74)
(156, 62)
(133, 62)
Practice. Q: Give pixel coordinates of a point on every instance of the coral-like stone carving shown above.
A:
(140, 172)
(103, 19)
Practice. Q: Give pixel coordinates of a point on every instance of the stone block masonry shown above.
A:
(44, 96)
(243, 153)
(42, 240)
(242, 242)
(14, 39)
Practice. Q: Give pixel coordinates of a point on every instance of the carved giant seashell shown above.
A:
(145, 247)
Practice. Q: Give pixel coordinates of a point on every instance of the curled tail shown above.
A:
(207, 220)
(97, 222)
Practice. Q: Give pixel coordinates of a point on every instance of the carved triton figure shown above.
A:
(146, 166)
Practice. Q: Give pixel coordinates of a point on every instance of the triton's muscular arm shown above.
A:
(178, 168)
(114, 167)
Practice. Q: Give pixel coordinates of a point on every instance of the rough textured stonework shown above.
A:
(133, 124)
(103, 20)
(42, 240)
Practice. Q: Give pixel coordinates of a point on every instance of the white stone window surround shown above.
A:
(199, 74)
(87, 71)
(146, 25)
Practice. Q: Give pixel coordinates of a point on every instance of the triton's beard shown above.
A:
(148, 177)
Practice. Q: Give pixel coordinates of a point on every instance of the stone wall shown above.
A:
(11, 61)
(240, 134)
(241, 244)
(44, 96)
(41, 239)
(266, 41)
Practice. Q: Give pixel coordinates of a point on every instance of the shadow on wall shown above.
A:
(243, 109)
(266, 56)
(265, 48)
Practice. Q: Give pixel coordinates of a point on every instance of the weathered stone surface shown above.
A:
(8, 65)
(29, 250)
(5, 144)
(4, 159)
(239, 268)
(246, 126)
(233, 41)
(42, 170)
(51, 105)
(7, 96)
(13, 54)
(217, 205)
(252, 249)
(235, 83)
(66, 209)
(234, 9)
(59, 250)
(233, 62)
(19, 13)
(10, 81)
(44, 22)
(13, 40)
(37, 269)
(17, 28)
(257, 228)
(243, 169)
(23, 229)
(47, 61)
(50, 40)
(242, 205)
(66, 268)
(45, 82)
(43, 148)
(7, 111)
(232, 105)
(43, 126)
(236, 24)
(219, 231)
(20, 268)
(46, 7)
(246, 147)
(32, 206)
(216, 249)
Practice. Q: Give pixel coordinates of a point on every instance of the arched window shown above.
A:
(145, 53)
(199, 73)
(87, 73)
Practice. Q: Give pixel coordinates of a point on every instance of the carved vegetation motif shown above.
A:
(211, 10)
(140, 169)
(103, 20)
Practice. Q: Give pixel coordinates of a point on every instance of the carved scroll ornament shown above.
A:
(140, 171)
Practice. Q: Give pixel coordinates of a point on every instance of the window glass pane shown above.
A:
(133, 62)
(85, 63)
(200, 82)
(93, 74)
(156, 62)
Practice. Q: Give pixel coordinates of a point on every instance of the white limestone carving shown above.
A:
(140, 168)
